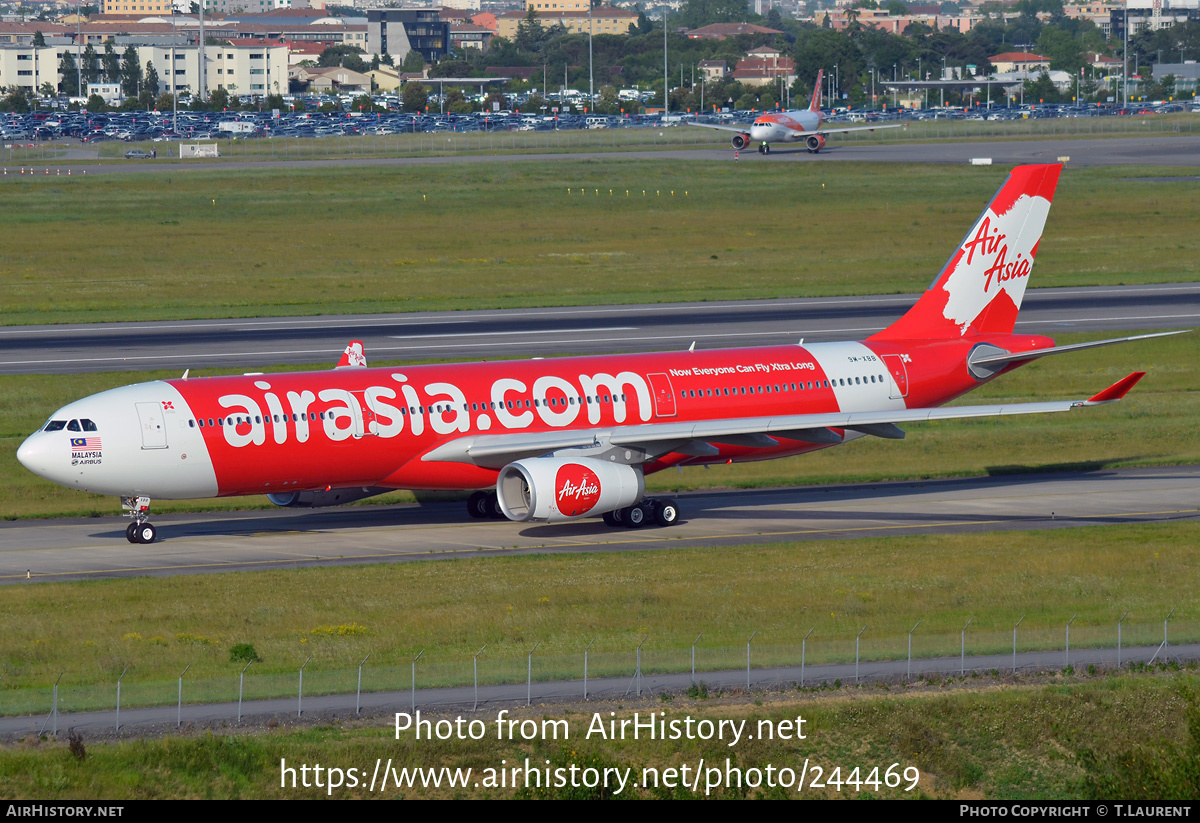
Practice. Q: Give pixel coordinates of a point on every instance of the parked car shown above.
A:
(137, 154)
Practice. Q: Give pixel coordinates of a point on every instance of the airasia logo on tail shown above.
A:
(577, 489)
(996, 256)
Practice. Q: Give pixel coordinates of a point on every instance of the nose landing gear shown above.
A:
(764, 148)
(140, 530)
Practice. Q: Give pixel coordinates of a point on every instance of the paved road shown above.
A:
(257, 343)
(491, 698)
(77, 549)
(1160, 150)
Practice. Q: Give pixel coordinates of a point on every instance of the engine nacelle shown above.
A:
(556, 489)
(740, 141)
(814, 143)
(317, 499)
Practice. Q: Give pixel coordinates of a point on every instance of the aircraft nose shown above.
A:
(34, 454)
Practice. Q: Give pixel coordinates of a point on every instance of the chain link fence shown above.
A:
(949, 654)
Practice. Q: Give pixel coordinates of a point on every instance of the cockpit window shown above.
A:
(88, 425)
(55, 425)
(73, 426)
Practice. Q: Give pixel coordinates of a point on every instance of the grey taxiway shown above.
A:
(79, 549)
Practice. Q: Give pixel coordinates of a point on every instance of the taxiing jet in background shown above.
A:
(794, 126)
(564, 438)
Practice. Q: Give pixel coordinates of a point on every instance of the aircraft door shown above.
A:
(154, 432)
(365, 422)
(899, 372)
(664, 396)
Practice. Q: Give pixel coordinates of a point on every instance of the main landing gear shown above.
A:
(663, 511)
(660, 511)
(141, 530)
(483, 505)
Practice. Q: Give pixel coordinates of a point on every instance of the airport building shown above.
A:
(243, 69)
(399, 31)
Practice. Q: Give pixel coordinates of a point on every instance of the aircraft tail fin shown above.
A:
(815, 103)
(353, 357)
(980, 288)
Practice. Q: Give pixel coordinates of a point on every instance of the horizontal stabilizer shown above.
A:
(1000, 360)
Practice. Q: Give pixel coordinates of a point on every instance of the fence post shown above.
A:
(300, 700)
(910, 634)
(54, 709)
(748, 659)
(1119, 637)
(529, 675)
(1067, 662)
(179, 705)
(803, 648)
(585, 664)
(638, 672)
(1014, 671)
(118, 724)
(358, 696)
(414, 679)
(475, 662)
(694, 642)
(856, 642)
(241, 685)
(962, 650)
(1168, 617)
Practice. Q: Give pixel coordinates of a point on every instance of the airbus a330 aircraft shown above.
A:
(791, 126)
(555, 440)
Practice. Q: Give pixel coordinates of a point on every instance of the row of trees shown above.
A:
(106, 68)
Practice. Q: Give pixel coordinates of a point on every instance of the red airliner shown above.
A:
(554, 440)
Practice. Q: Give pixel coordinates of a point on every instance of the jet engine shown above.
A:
(327, 497)
(814, 142)
(556, 489)
(740, 141)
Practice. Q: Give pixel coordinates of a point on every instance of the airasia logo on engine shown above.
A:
(578, 489)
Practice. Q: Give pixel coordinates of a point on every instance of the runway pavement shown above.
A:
(286, 538)
(1158, 150)
(254, 344)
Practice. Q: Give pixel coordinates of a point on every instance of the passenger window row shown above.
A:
(438, 408)
(780, 387)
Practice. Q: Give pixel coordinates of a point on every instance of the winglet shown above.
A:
(353, 357)
(1117, 390)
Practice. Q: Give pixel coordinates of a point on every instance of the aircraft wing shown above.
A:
(723, 127)
(824, 131)
(648, 441)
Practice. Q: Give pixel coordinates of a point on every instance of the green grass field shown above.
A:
(1061, 738)
(91, 631)
(259, 242)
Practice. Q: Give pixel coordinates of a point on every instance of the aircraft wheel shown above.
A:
(612, 518)
(766, 148)
(762, 148)
(477, 505)
(129, 533)
(666, 512)
(634, 517)
(146, 533)
(493, 508)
